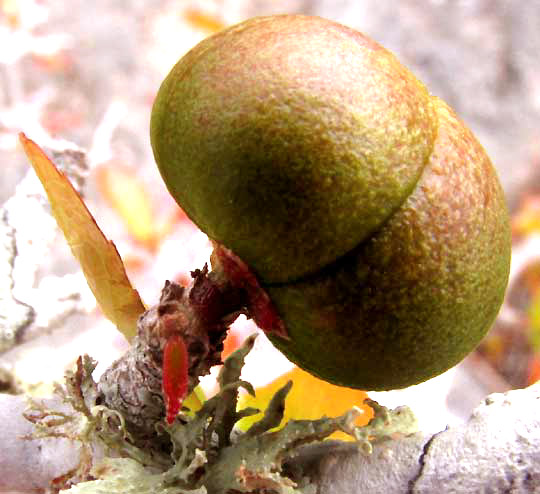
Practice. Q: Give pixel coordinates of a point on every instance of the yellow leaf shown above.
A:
(195, 400)
(203, 21)
(129, 196)
(309, 398)
(526, 220)
(98, 257)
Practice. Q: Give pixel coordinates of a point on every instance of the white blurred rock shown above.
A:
(29, 465)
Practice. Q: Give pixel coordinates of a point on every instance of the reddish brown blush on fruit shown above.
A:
(368, 213)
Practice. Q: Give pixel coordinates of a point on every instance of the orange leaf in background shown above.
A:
(231, 343)
(529, 281)
(527, 218)
(98, 257)
(58, 62)
(203, 21)
(11, 10)
(128, 195)
(309, 398)
(534, 370)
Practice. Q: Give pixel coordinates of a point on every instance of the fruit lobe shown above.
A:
(251, 122)
(368, 211)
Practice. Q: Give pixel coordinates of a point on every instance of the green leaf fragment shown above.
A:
(273, 414)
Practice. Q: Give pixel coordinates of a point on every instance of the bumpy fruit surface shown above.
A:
(368, 211)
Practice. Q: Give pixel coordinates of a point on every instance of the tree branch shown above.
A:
(25, 310)
(497, 450)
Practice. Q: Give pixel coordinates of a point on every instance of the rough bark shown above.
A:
(497, 450)
(24, 310)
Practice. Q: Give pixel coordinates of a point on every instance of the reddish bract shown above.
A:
(175, 375)
(261, 308)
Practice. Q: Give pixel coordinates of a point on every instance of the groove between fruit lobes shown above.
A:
(419, 295)
(290, 140)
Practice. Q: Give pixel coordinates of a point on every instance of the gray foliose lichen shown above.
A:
(201, 452)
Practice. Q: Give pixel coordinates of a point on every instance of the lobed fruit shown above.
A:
(368, 211)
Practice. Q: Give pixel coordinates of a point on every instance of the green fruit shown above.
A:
(368, 211)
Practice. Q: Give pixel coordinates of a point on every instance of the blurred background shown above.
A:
(87, 73)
